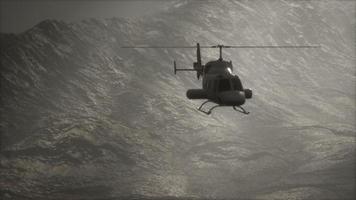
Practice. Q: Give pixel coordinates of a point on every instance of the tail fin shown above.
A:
(197, 65)
(198, 55)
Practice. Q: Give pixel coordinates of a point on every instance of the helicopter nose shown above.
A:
(232, 98)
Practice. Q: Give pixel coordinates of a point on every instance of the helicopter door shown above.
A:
(210, 85)
(224, 85)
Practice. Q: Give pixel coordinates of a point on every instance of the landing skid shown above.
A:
(237, 108)
(209, 111)
(241, 110)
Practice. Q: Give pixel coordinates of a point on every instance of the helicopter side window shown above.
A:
(237, 84)
(224, 85)
(209, 85)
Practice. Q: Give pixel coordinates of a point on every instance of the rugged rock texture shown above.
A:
(82, 118)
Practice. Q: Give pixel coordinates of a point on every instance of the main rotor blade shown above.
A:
(223, 46)
(158, 47)
(271, 46)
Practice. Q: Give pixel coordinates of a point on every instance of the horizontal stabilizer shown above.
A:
(177, 69)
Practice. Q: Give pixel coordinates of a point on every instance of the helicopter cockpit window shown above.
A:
(207, 68)
(237, 84)
(224, 85)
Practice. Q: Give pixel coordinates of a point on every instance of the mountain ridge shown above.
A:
(81, 114)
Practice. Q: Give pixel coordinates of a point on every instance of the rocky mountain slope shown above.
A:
(82, 118)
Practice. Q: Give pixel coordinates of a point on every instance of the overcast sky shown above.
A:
(20, 15)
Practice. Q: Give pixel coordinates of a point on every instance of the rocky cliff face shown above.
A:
(82, 118)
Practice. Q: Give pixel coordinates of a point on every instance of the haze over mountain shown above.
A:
(82, 118)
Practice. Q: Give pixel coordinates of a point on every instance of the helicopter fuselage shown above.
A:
(220, 85)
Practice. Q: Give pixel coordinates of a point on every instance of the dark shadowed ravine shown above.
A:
(82, 118)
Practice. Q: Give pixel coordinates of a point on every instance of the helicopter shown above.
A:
(219, 84)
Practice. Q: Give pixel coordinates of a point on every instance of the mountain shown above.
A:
(82, 118)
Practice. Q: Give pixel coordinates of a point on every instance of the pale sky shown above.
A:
(19, 15)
